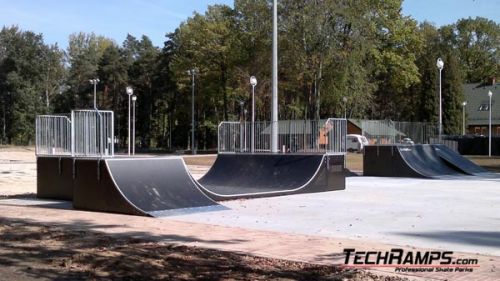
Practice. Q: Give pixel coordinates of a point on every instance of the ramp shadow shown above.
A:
(477, 238)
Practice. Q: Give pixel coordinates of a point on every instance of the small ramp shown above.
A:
(459, 162)
(424, 160)
(138, 186)
(420, 161)
(235, 176)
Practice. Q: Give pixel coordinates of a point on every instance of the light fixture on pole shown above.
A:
(253, 82)
(440, 65)
(464, 104)
(94, 82)
(129, 92)
(192, 72)
(344, 99)
(134, 98)
(490, 94)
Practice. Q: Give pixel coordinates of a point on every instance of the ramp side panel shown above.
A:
(330, 177)
(157, 184)
(96, 191)
(386, 161)
(54, 178)
(458, 161)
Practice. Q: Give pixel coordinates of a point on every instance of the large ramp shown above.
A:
(406, 161)
(236, 176)
(138, 186)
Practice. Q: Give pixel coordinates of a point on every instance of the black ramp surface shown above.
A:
(419, 160)
(425, 161)
(139, 186)
(386, 161)
(458, 161)
(258, 175)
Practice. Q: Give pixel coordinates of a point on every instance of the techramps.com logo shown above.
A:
(409, 261)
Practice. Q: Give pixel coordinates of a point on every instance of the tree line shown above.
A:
(363, 56)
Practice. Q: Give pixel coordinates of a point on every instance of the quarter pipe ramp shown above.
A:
(424, 161)
(138, 186)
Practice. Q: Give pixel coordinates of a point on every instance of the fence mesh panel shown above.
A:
(85, 133)
(294, 136)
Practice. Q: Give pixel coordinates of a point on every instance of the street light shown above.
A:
(464, 104)
(242, 124)
(130, 92)
(440, 65)
(94, 82)
(344, 99)
(490, 94)
(253, 82)
(274, 103)
(192, 72)
(134, 98)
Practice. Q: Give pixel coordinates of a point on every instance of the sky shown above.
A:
(58, 19)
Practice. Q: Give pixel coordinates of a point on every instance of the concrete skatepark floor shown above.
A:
(372, 213)
(442, 214)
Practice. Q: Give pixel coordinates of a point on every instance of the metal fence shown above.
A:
(294, 136)
(390, 132)
(87, 133)
(53, 135)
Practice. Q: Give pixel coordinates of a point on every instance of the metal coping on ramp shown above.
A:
(161, 186)
(421, 161)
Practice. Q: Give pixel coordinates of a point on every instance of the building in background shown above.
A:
(477, 109)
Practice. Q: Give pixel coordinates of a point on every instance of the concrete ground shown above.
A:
(458, 215)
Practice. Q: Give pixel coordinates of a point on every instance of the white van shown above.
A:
(356, 142)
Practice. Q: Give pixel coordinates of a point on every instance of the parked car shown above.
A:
(407, 141)
(356, 142)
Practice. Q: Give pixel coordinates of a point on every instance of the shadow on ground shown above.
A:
(477, 238)
(78, 251)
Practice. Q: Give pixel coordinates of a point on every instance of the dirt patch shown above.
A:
(34, 252)
(200, 160)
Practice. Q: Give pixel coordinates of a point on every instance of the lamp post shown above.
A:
(274, 104)
(464, 104)
(242, 124)
(253, 82)
(192, 72)
(94, 82)
(130, 92)
(490, 94)
(344, 99)
(440, 65)
(134, 98)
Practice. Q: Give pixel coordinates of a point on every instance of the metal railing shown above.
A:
(390, 132)
(294, 136)
(87, 133)
(53, 135)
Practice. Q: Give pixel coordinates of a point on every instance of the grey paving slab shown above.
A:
(460, 215)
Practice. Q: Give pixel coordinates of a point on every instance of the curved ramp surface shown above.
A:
(424, 160)
(406, 161)
(460, 162)
(138, 186)
(259, 175)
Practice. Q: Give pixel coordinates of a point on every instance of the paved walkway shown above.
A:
(314, 249)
